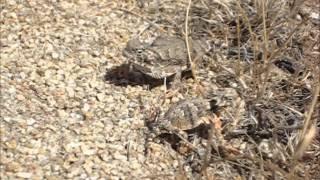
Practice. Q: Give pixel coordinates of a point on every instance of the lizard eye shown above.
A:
(140, 54)
(139, 51)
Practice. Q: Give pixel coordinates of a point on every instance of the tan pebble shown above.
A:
(119, 156)
(105, 157)
(107, 109)
(96, 160)
(101, 97)
(24, 175)
(30, 121)
(51, 127)
(74, 171)
(62, 114)
(87, 151)
(85, 131)
(99, 124)
(49, 47)
(66, 165)
(55, 55)
(20, 97)
(33, 75)
(13, 167)
(174, 99)
(167, 101)
(190, 80)
(88, 166)
(53, 177)
(71, 146)
(85, 107)
(110, 99)
(2, 131)
(243, 146)
(12, 144)
(135, 165)
(37, 177)
(89, 115)
(70, 91)
(11, 2)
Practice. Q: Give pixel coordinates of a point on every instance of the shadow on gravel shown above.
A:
(123, 75)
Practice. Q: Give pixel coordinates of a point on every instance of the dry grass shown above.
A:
(280, 80)
(268, 52)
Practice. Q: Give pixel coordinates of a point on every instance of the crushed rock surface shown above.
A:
(60, 118)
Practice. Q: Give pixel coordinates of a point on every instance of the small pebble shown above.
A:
(26, 175)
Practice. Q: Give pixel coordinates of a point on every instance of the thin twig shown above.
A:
(207, 156)
(192, 64)
(187, 40)
(309, 130)
(238, 70)
(265, 53)
(271, 59)
(308, 122)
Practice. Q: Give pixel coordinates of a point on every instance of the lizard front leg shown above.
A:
(176, 84)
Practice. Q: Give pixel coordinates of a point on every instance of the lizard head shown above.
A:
(134, 49)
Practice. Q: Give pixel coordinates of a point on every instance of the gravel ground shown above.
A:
(60, 119)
